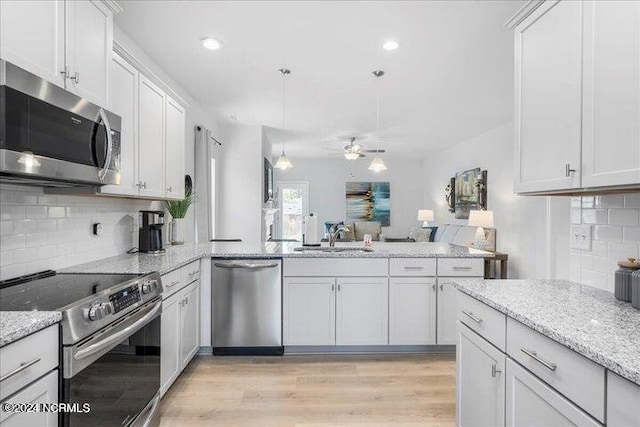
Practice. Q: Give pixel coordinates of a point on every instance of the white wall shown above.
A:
(615, 228)
(327, 178)
(240, 183)
(533, 230)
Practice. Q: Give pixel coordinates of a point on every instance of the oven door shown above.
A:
(116, 372)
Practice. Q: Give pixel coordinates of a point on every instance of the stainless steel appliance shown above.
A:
(51, 137)
(110, 333)
(150, 232)
(247, 306)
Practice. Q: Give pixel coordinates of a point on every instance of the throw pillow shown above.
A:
(329, 224)
(421, 234)
(368, 227)
(351, 234)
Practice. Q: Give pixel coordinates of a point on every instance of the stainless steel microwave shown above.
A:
(51, 137)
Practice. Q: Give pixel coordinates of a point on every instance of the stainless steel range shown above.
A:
(110, 334)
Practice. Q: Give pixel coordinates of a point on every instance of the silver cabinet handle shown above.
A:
(495, 371)
(568, 171)
(107, 128)
(169, 189)
(65, 72)
(461, 268)
(472, 317)
(75, 77)
(434, 288)
(22, 367)
(173, 284)
(409, 267)
(338, 287)
(194, 272)
(333, 288)
(442, 287)
(245, 265)
(534, 355)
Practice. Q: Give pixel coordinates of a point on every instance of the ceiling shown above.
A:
(450, 79)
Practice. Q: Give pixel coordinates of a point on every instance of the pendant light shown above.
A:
(377, 164)
(283, 162)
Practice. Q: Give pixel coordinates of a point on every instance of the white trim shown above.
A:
(523, 12)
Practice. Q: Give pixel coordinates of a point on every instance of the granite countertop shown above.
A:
(588, 320)
(18, 324)
(177, 256)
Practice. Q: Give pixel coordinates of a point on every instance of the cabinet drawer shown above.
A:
(171, 283)
(573, 375)
(412, 267)
(26, 360)
(336, 267)
(461, 267)
(190, 272)
(489, 323)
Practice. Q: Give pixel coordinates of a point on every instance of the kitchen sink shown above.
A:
(330, 249)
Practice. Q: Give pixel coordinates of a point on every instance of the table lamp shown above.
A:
(482, 220)
(425, 215)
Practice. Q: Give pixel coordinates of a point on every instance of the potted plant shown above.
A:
(178, 210)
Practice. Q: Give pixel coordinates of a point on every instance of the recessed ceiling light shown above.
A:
(211, 44)
(390, 45)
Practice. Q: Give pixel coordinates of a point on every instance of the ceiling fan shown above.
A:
(353, 151)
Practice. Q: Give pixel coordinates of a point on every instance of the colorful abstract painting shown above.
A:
(368, 201)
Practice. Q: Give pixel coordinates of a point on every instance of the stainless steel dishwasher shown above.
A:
(247, 306)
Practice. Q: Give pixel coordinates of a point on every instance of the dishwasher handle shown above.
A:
(246, 265)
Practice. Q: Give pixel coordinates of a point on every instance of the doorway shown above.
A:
(293, 206)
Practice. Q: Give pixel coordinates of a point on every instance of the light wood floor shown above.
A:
(345, 390)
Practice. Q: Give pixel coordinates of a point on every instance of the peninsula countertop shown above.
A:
(588, 320)
(177, 256)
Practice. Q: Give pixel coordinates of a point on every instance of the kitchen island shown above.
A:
(536, 352)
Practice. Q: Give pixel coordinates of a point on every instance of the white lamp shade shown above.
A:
(283, 162)
(481, 219)
(425, 215)
(377, 165)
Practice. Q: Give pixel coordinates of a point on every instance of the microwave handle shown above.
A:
(107, 160)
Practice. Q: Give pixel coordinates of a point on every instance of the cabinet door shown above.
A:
(611, 93)
(480, 380)
(175, 145)
(309, 311)
(123, 101)
(45, 390)
(530, 402)
(89, 43)
(548, 78)
(151, 139)
(189, 321)
(447, 333)
(412, 311)
(362, 311)
(170, 342)
(32, 37)
(623, 402)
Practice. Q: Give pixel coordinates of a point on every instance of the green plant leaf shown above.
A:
(178, 208)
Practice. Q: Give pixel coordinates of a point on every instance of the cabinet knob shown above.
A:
(65, 72)
(441, 287)
(495, 371)
(76, 77)
(568, 171)
(169, 189)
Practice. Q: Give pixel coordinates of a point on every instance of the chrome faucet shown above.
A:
(334, 231)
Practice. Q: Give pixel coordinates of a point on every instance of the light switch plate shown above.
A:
(581, 237)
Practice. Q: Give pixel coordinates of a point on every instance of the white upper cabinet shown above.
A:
(89, 40)
(67, 43)
(548, 77)
(151, 139)
(611, 98)
(32, 37)
(577, 96)
(175, 149)
(123, 101)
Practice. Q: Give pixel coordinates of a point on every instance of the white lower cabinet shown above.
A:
(480, 381)
(309, 311)
(531, 402)
(362, 311)
(446, 313)
(45, 390)
(179, 333)
(412, 311)
(623, 402)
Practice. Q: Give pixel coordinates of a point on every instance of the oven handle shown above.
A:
(107, 160)
(148, 413)
(116, 337)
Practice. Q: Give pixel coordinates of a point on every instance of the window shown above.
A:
(293, 205)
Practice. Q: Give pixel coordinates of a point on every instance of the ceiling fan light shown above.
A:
(283, 162)
(351, 155)
(377, 165)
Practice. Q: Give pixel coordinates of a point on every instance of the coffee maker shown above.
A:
(150, 233)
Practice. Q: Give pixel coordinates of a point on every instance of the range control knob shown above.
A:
(149, 286)
(99, 311)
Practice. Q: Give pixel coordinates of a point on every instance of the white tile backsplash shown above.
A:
(615, 220)
(41, 231)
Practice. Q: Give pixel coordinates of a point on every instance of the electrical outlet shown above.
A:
(96, 229)
(581, 237)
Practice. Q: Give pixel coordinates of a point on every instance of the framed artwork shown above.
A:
(470, 192)
(268, 180)
(368, 201)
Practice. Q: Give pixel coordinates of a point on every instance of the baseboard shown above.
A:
(206, 350)
(369, 349)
